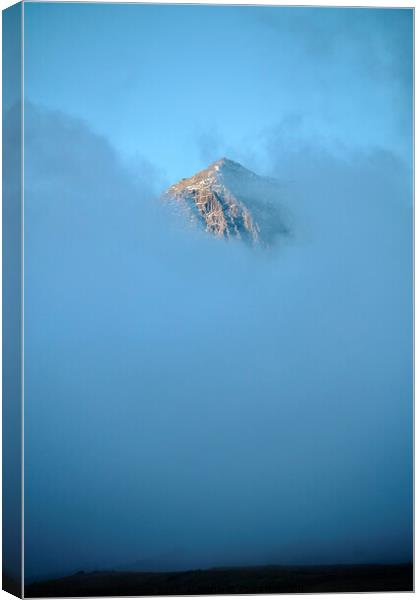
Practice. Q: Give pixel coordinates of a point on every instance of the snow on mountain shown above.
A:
(230, 201)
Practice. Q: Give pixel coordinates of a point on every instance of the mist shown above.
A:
(192, 402)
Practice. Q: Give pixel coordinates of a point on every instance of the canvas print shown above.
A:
(214, 318)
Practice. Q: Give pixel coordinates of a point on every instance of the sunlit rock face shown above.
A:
(232, 202)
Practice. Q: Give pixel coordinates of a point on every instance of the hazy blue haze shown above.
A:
(191, 401)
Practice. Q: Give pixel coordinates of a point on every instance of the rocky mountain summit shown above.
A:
(230, 201)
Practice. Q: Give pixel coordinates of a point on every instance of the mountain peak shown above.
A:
(225, 162)
(227, 165)
(230, 201)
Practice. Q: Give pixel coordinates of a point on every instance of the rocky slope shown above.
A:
(230, 201)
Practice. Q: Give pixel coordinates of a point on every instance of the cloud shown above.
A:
(378, 40)
(194, 398)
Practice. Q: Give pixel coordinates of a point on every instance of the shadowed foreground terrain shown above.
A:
(242, 580)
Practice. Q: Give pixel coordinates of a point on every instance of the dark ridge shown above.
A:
(241, 580)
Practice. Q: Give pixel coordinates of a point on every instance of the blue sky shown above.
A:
(194, 402)
(178, 85)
